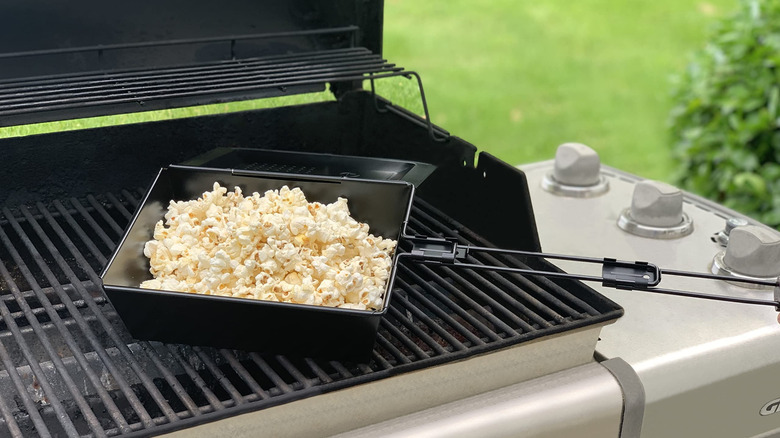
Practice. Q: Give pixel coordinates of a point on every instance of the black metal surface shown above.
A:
(30, 100)
(44, 37)
(263, 160)
(70, 368)
(55, 166)
(490, 198)
(94, 58)
(238, 323)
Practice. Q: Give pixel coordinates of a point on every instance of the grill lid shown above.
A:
(91, 58)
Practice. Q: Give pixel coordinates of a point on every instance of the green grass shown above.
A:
(519, 77)
(175, 113)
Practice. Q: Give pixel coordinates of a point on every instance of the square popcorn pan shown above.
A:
(242, 323)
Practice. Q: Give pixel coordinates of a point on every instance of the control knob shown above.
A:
(752, 252)
(656, 211)
(576, 172)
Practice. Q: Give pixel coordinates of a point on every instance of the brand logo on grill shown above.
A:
(770, 407)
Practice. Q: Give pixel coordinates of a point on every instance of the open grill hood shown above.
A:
(60, 61)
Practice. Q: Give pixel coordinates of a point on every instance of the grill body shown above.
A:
(75, 369)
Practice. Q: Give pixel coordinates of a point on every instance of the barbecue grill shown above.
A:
(455, 345)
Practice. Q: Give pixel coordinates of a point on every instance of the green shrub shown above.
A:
(725, 123)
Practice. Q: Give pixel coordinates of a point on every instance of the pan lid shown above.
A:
(62, 60)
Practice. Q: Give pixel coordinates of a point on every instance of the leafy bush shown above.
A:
(726, 124)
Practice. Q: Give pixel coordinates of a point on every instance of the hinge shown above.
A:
(435, 249)
(630, 275)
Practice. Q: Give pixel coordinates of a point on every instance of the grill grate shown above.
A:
(69, 367)
(139, 90)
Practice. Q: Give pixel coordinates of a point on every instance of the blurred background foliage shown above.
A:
(725, 121)
(519, 77)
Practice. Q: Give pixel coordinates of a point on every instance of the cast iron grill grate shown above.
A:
(68, 367)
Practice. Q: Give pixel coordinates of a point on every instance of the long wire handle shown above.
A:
(617, 274)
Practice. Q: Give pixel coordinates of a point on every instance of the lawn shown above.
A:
(518, 77)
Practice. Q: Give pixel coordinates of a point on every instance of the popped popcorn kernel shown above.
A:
(276, 247)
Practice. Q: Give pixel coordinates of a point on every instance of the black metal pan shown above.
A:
(242, 323)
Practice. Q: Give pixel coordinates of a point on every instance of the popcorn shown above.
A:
(274, 247)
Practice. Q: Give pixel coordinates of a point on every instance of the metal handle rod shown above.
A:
(664, 291)
(549, 274)
(428, 123)
(663, 271)
(641, 288)
(534, 254)
(624, 275)
(718, 277)
(728, 298)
